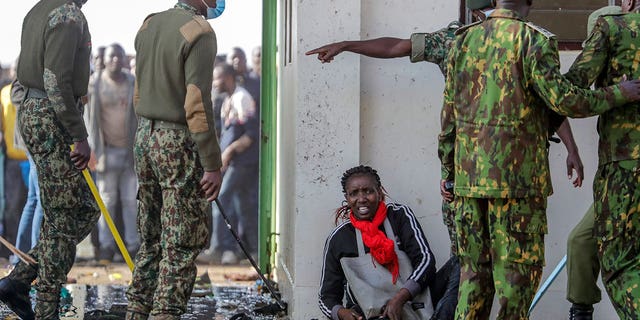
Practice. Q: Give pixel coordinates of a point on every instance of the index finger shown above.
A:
(314, 51)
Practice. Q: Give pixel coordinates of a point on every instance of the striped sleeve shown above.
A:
(332, 280)
(414, 243)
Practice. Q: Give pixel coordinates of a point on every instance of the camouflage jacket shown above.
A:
(434, 47)
(610, 52)
(503, 78)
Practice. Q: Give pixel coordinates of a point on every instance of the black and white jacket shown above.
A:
(342, 243)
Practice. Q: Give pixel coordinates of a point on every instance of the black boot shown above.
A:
(15, 295)
(581, 312)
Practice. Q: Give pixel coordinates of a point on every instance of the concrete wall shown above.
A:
(384, 113)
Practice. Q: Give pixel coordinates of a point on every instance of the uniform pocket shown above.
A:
(527, 227)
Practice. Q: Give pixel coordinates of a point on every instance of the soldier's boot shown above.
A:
(581, 312)
(47, 306)
(133, 315)
(15, 295)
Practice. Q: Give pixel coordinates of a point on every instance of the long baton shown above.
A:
(23, 256)
(107, 217)
(281, 304)
(548, 283)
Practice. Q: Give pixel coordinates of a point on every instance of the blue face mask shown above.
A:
(213, 13)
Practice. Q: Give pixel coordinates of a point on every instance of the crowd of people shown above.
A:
(111, 124)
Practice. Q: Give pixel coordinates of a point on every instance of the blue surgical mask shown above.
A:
(489, 12)
(213, 13)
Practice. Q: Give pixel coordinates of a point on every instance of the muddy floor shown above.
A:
(221, 292)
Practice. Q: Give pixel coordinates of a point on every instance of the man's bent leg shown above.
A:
(69, 208)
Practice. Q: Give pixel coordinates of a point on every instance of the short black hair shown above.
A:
(359, 170)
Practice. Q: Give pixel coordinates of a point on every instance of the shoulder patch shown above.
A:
(465, 28)
(145, 24)
(540, 29)
(194, 28)
(66, 13)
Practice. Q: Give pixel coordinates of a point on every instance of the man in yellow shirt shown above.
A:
(16, 171)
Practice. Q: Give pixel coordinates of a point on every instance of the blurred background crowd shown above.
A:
(110, 120)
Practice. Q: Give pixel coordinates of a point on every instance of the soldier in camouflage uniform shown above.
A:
(177, 157)
(503, 79)
(54, 69)
(583, 267)
(609, 55)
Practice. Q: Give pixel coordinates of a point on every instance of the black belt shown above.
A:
(159, 124)
(34, 93)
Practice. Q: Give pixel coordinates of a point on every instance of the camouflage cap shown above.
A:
(600, 12)
(478, 4)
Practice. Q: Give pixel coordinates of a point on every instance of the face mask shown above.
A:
(489, 12)
(213, 13)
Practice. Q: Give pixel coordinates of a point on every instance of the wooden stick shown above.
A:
(23, 256)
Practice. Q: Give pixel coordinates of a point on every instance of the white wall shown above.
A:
(384, 113)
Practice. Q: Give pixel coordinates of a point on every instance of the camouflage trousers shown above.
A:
(501, 250)
(448, 214)
(70, 211)
(174, 221)
(617, 230)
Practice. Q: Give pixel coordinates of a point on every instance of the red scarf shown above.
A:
(380, 246)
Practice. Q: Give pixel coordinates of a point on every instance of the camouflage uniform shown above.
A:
(50, 121)
(609, 53)
(175, 144)
(434, 47)
(503, 80)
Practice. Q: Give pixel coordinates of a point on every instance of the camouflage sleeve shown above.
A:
(62, 39)
(591, 61)
(198, 72)
(447, 135)
(543, 67)
(433, 47)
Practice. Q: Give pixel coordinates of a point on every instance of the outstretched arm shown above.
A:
(384, 48)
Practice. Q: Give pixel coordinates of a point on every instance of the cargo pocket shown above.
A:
(526, 244)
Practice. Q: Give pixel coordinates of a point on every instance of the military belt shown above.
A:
(34, 93)
(160, 124)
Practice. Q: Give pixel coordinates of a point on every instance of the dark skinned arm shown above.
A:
(384, 48)
(573, 157)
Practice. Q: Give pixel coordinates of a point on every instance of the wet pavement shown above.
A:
(109, 302)
(100, 294)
